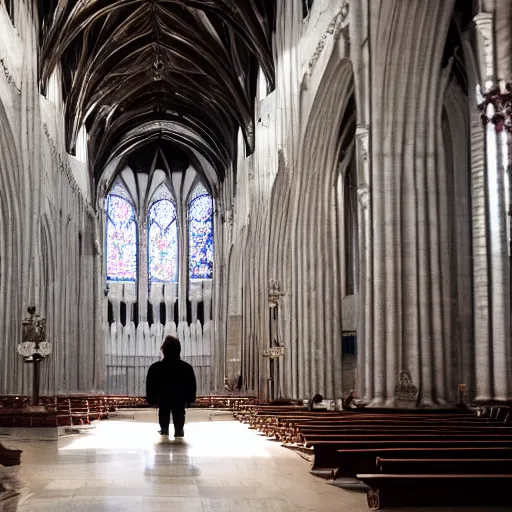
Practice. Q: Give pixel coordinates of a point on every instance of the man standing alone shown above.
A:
(171, 384)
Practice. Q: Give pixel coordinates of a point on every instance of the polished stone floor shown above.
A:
(122, 465)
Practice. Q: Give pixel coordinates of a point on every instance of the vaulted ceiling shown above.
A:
(137, 72)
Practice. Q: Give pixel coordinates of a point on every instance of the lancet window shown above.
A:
(121, 234)
(163, 235)
(163, 242)
(201, 245)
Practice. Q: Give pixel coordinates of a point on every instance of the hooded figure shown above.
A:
(171, 384)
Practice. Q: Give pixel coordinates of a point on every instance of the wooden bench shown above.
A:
(445, 437)
(350, 462)
(433, 466)
(437, 490)
(295, 432)
(333, 423)
(287, 425)
(326, 452)
(306, 437)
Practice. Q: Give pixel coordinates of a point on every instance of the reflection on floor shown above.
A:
(223, 466)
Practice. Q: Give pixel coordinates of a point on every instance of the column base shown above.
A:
(382, 403)
(376, 403)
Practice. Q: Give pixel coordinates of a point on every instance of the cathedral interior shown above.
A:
(313, 196)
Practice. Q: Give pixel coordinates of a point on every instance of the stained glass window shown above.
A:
(200, 218)
(121, 240)
(163, 242)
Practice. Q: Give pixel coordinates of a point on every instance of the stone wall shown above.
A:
(387, 92)
(48, 254)
(286, 204)
(394, 89)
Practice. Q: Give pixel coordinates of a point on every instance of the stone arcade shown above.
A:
(368, 184)
(315, 196)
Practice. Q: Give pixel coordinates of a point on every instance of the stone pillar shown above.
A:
(364, 319)
(406, 329)
(497, 118)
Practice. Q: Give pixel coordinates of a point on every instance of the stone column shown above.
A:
(497, 118)
(406, 324)
(364, 319)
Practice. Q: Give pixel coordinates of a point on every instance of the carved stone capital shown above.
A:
(496, 107)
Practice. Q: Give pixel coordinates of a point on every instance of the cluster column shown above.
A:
(407, 312)
(497, 119)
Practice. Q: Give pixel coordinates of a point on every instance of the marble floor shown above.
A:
(122, 465)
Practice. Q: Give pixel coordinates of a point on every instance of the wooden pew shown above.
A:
(285, 430)
(446, 437)
(285, 425)
(433, 466)
(299, 422)
(307, 436)
(437, 490)
(350, 462)
(326, 452)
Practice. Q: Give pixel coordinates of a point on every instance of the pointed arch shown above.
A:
(121, 236)
(200, 233)
(163, 238)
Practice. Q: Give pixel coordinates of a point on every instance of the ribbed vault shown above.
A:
(137, 71)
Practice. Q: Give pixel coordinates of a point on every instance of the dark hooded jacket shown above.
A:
(171, 382)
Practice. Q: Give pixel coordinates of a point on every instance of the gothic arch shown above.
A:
(307, 228)
(200, 232)
(163, 239)
(46, 298)
(123, 223)
(10, 252)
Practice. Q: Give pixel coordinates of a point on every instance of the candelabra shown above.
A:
(34, 347)
(274, 293)
(273, 352)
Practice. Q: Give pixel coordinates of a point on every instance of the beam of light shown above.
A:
(222, 439)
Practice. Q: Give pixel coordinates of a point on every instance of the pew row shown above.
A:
(352, 461)
(452, 490)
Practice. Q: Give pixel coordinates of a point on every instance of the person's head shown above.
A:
(171, 348)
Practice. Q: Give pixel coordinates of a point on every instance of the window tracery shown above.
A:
(161, 236)
(200, 226)
(121, 240)
(163, 242)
